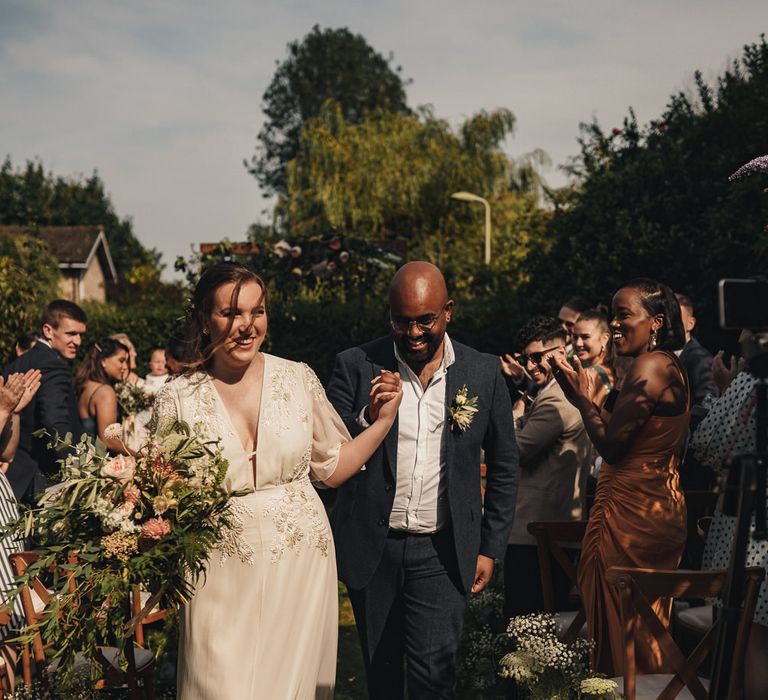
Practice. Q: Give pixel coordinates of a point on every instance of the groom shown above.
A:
(413, 536)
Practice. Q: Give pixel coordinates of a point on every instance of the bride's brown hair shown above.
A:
(200, 349)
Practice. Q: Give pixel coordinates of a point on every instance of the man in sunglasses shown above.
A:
(554, 464)
(413, 535)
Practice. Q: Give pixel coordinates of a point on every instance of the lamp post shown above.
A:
(469, 197)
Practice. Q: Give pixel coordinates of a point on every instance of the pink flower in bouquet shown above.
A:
(155, 529)
(121, 467)
(125, 508)
(132, 493)
(335, 244)
(615, 131)
(161, 468)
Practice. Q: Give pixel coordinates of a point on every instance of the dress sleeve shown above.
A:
(165, 412)
(328, 430)
(729, 427)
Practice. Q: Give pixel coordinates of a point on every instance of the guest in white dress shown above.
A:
(265, 627)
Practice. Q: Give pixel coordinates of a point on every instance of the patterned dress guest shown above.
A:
(639, 517)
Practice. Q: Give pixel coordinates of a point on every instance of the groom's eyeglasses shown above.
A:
(402, 324)
(537, 357)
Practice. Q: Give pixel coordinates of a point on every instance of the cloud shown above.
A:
(164, 99)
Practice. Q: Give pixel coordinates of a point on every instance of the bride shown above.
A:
(263, 621)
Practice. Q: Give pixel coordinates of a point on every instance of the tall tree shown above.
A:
(390, 178)
(30, 197)
(326, 64)
(29, 279)
(656, 199)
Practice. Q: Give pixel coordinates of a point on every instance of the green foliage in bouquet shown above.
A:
(547, 668)
(119, 522)
(132, 398)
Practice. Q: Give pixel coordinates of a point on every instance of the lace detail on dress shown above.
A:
(282, 383)
(301, 468)
(232, 542)
(296, 518)
(313, 383)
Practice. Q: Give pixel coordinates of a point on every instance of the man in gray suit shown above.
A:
(555, 453)
(413, 535)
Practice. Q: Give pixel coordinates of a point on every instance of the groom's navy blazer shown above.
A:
(54, 408)
(360, 518)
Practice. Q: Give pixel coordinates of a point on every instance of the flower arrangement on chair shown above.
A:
(547, 668)
(115, 523)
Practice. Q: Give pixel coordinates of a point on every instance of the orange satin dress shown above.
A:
(638, 519)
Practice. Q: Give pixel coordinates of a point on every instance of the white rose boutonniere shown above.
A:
(463, 409)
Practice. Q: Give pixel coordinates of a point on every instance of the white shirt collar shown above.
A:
(45, 342)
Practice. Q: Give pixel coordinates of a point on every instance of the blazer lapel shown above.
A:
(454, 380)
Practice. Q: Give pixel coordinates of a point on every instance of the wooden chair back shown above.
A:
(552, 538)
(112, 677)
(636, 587)
(154, 615)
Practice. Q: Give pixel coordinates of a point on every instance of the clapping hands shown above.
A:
(577, 382)
(512, 368)
(722, 374)
(386, 395)
(17, 391)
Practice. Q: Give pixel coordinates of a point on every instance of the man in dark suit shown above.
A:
(697, 361)
(413, 536)
(53, 407)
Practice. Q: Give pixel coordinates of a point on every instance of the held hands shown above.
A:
(386, 395)
(17, 391)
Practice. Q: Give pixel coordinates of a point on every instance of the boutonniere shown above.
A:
(463, 409)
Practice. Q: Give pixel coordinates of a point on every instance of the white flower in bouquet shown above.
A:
(114, 431)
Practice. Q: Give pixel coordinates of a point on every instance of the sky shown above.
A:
(163, 97)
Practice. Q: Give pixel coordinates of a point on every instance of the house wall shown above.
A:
(69, 285)
(93, 287)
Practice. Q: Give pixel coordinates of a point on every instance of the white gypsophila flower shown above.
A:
(598, 687)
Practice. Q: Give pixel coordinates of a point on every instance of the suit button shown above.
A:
(382, 523)
(387, 488)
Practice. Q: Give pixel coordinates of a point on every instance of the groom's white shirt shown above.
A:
(420, 504)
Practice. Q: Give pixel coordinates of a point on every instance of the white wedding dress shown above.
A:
(265, 629)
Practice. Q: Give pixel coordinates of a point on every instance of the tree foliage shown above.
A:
(326, 64)
(29, 279)
(32, 197)
(390, 177)
(655, 200)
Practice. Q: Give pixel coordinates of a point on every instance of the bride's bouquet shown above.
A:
(132, 398)
(115, 523)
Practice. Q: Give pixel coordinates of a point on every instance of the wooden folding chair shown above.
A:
(636, 588)
(138, 600)
(137, 678)
(551, 540)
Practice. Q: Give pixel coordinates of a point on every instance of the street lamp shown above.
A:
(469, 197)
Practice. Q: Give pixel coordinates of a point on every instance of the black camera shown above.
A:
(743, 303)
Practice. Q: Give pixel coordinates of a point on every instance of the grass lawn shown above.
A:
(350, 671)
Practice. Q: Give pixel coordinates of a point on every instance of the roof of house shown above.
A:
(72, 246)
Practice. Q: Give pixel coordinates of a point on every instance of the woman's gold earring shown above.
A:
(652, 339)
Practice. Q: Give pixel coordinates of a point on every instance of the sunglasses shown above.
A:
(537, 357)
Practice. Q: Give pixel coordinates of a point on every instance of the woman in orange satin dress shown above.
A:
(638, 518)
